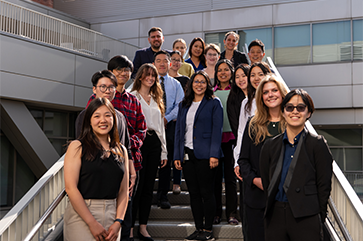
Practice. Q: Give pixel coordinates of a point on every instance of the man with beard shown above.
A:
(146, 55)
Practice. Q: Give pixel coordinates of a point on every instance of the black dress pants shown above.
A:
(151, 156)
(200, 182)
(226, 167)
(164, 173)
(281, 225)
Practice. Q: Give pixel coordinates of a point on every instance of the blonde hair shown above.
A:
(214, 47)
(259, 122)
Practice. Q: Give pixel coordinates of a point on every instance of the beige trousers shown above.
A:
(104, 211)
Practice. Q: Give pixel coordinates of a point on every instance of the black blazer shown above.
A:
(310, 185)
(249, 163)
(238, 57)
(142, 56)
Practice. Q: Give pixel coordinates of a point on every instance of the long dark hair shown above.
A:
(90, 143)
(230, 66)
(189, 95)
(235, 90)
(250, 89)
(201, 57)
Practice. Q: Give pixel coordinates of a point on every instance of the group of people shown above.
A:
(216, 117)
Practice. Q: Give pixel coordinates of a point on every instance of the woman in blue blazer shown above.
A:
(197, 148)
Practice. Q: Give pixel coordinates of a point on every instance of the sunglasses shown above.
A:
(299, 107)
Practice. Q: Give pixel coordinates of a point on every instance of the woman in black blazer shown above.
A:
(197, 149)
(231, 53)
(266, 123)
(296, 170)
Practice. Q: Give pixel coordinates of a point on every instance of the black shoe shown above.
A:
(142, 237)
(205, 235)
(164, 204)
(193, 236)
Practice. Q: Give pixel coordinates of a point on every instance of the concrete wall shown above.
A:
(32, 72)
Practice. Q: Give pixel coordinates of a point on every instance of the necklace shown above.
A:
(274, 123)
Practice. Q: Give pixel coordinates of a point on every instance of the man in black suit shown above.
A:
(146, 55)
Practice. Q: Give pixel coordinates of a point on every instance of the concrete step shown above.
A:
(178, 230)
(177, 212)
(183, 198)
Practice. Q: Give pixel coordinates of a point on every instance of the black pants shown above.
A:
(200, 182)
(226, 167)
(151, 153)
(164, 173)
(242, 210)
(282, 226)
(126, 226)
(256, 230)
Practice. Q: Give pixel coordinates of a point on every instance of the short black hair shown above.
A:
(154, 29)
(308, 101)
(162, 52)
(119, 62)
(258, 43)
(104, 73)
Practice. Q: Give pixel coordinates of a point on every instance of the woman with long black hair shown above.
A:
(197, 150)
(196, 54)
(96, 177)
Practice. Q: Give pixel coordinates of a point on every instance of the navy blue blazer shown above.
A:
(142, 56)
(207, 133)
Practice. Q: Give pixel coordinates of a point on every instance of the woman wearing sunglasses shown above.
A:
(266, 123)
(296, 170)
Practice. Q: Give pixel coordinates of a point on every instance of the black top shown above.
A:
(234, 103)
(183, 81)
(123, 133)
(100, 179)
(237, 59)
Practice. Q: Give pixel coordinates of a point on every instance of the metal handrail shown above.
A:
(31, 25)
(348, 212)
(45, 216)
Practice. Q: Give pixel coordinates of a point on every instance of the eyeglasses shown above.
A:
(199, 82)
(104, 88)
(176, 60)
(121, 70)
(299, 107)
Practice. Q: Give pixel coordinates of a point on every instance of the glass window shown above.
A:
(331, 42)
(55, 124)
(38, 116)
(215, 38)
(292, 45)
(6, 171)
(263, 34)
(25, 178)
(358, 39)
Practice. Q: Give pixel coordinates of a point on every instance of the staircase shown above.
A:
(177, 222)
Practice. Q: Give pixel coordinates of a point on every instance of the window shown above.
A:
(331, 42)
(292, 45)
(358, 39)
(16, 178)
(263, 34)
(57, 126)
(215, 38)
(346, 146)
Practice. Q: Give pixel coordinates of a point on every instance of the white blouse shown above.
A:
(154, 121)
(188, 137)
(243, 118)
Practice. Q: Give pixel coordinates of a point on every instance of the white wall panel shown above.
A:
(357, 8)
(177, 24)
(311, 11)
(35, 60)
(334, 117)
(119, 30)
(237, 18)
(85, 68)
(26, 88)
(317, 75)
(81, 96)
(331, 96)
(358, 96)
(168, 43)
(358, 73)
